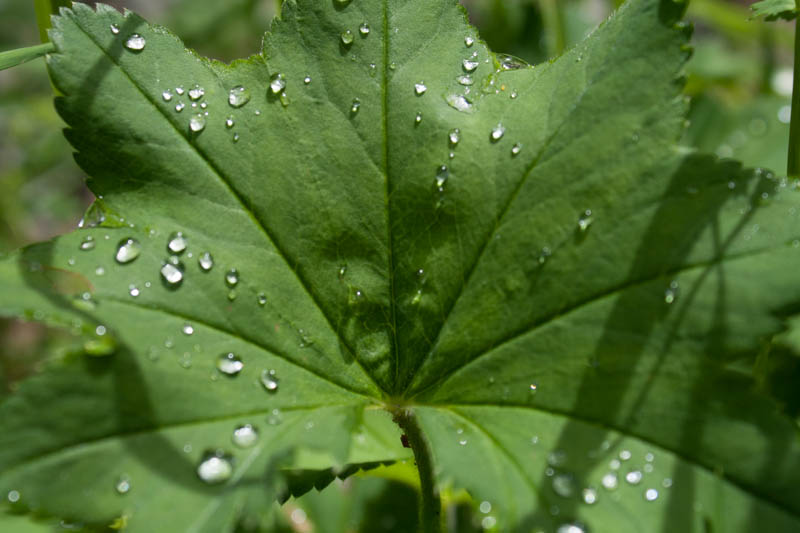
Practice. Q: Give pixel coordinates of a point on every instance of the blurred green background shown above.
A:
(739, 81)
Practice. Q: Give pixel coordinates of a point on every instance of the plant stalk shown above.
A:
(552, 13)
(793, 164)
(44, 9)
(430, 509)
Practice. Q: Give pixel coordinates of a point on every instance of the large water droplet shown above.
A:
(245, 436)
(458, 102)
(420, 88)
(196, 93)
(498, 132)
(238, 96)
(128, 250)
(123, 485)
(232, 277)
(215, 467)
(269, 381)
(509, 62)
(197, 123)
(135, 43)
(363, 29)
(277, 84)
(229, 364)
(470, 65)
(88, 243)
(347, 37)
(172, 271)
(206, 261)
(177, 242)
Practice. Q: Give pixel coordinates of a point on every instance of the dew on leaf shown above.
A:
(307, 80)
(245, 436)
(298, 516)
(275, 418)
(123, 485)
(196, 93)
(13, 496)
(442, 174)
(544, 255)
(459, 102)
(462, 442)
(625, 455)
(177, 242)
(667, 483)
(610, 481)
(465, 80)
(363, 29)
(235, 137)
(634, 477)
(356, 105)
(534, 387)
(215, 467)
(232, 277)
(571, 528)
(651, 495)
(88, 243)
(516, 149)
(187, 329)
(172, 272)
(277, 84)
(197, 123)
(179, 106)
(585, 220)
(269, 381)
(99, 271)
(229, 364)
(206, 261)
(231, 295)
(347, 37)
(420, 88)
(114, 29)
(498, 132)
(469, 41)
(564, 485)
(671, 293)
(262, 299)
(470, 65)
(229, 122)
(133, 291)
(418, 118)
(509, 62)
(135, 43)
(485, 507)
(166, 95)
(589, 496)
(454, 136)
(238, 96)
(127, 251)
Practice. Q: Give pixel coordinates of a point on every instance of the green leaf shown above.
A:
(12, 58)
(568, 302)
(775, 9)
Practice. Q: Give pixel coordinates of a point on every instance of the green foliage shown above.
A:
(775, 9)
(568, 313)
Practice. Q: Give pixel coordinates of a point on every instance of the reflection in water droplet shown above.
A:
(229, 364)
(232, 277)
(364, 29)
(245, 436)
(177, 242)
(307, 80)
(347, 37)
(420, 88)
(215, 467)
(88, 243)
(135, 42)
(269, 381)
(128, 250)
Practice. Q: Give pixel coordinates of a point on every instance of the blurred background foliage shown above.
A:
(739, 81)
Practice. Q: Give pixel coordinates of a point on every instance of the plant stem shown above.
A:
(554, 26)
(45, 8)
(430, 509)
(793, 164)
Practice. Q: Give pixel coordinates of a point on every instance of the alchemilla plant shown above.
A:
(378, 241)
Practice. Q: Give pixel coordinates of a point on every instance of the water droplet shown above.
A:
(235, 137)
(667, 483)
(534, 387)
(498, 132)
(625, 455)
(651, 495)
(13, 496)
(262, 299)
(610, 481)
(275, 418)
(196, 93)
(238, 96)
(277, 84)
(135, 43)
(442, 174)
(509, 62)
(172, 271)
(100, 271)
(420, 88)
(364, 29)
(355, 106)
(166, 95)
(245, 436)
(88, 243)
(269, 381)
(564, 485)
(232, 277)
(671, 293)
(206, 261)
(589, 496)
(307, 80)
(469, 41)
(544, 255)
(177, 243)
(514, 95)
(197, 123)
(114, 29)
(571, 528)
(179, 106)
(585, 220)
(462, 442)
(459, 102)
(128, 250)
(454, 136)
(634, 477)
(418, 118)
(215, 467)
(123, 485)
(470, 65)
(187, 329)
(133, 290)
(516, 149)
(485, 507)
(649, 457)
(465, 80)
(229, 364)
(347, 37)
(179, 90)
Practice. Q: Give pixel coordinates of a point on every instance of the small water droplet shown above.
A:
(516, 149)
(179, 90)
(269, 381)
(235, 137)
(177, 243)
(114, 29)
(651, 495)
(420, 88)
(454, 136)
(99, 271)
(418, 118)
(196, 93)
(166, 95)
(187, 329)
(589, 496)
(307, 80)
(485, 507)
(469, 41)
(215, 467)
(88, 243)
(363, 29)
(206, 261)
(544, 255)
(625, 455)
(262, 299)
(571, 528)
(459, 102)
(197, 123)
(135, 43)
(470, 65)
(498, 132)
(347, 37)
(671, 293)
(465, 80)
(355, 106)
(563, 485)
(514, 95)
(634, 477)
(123, 485)
(667, 483)
(133, 290)
(229, 364)
(277, 84)
(610, 481)
(534, 387)
(127, 251)
(172, 271)
(238, 96)
(462, 442)
(585, 220)
(179, 106)
(245, 436)
(13, 496)
(442, 174)
(232, 277)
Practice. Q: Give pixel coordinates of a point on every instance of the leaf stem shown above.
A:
(793, 164)
(554, 24)
(44, 9)
(430, 509)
